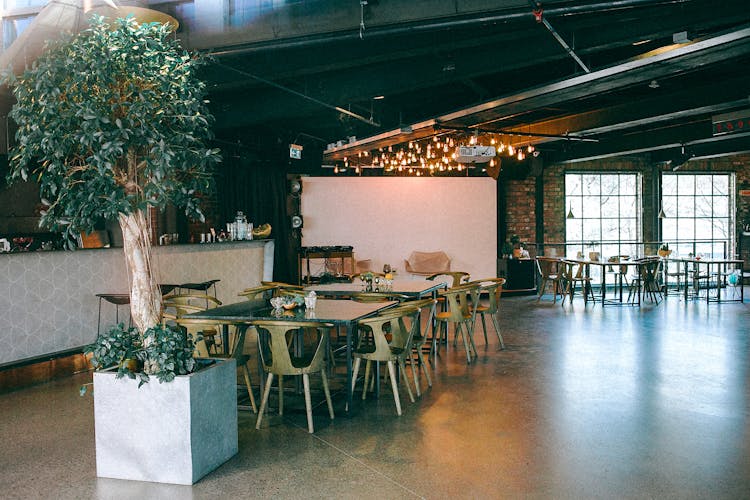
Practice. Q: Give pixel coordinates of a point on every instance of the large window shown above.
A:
(605, 211)
(697, 209)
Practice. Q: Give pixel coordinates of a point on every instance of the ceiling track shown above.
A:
(652, 65)
(372, 32)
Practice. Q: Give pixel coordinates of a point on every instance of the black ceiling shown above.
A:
(283, 70)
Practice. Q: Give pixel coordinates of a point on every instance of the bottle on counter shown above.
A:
(240, 222)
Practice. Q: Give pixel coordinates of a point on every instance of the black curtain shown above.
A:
(258, 187)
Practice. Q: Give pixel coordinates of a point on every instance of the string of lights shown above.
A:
(436, 155)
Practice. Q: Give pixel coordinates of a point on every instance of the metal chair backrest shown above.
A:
(400, 335)
(273, 346)
(460, 300)
(494, 289)
(547, 266)
(456, 277)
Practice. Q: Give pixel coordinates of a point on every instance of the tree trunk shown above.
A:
(145, 295)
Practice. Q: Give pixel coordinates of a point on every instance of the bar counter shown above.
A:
(48, 303)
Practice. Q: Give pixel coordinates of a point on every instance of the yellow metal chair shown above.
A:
(418, 336)
(258, 292)
(573, 273)
(461, 305)
(455, 277)
(548, 268)
(373, 345)
(493, 287)
(197, 327)
(273, 347)
(175, 306)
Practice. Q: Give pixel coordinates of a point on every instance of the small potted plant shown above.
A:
(664, 250)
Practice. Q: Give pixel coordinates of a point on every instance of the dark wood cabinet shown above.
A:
(519, 274)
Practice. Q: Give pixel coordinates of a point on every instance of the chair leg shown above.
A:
(355, 370)
(425, 368)
(414, 376)
(497, 330)
(541, 289)
(394, 386)
(466, 341)
(327, 392)
(281, 394)
(470, 333)
(308, 403)
(402, 369)
(484, 328)
(246, 373)
(365, 386)
(264, 402)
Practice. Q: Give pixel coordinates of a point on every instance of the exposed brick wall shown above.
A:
(554, 209)
(521, 213)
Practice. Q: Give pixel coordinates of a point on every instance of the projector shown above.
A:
(475, 154)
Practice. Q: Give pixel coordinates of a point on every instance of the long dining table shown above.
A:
(409, 288)
(339, 312)
(622, 266)
(714, 267)
(414, 289)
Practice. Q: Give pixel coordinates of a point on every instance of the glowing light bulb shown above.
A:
(530, 149)
(492, 162)
(521, 156)
(511, 150)
(336, 169)
(492, 141)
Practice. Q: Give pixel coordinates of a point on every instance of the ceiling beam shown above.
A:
(656, 64)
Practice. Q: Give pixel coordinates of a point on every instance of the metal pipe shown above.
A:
(564, 44)
(557, 36)
(380, 32)
(300, 94)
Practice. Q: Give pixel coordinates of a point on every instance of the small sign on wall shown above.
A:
(731, 123)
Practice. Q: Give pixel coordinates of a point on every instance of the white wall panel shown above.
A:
(384, 219)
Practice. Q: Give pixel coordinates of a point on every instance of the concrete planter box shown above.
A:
(174, 432)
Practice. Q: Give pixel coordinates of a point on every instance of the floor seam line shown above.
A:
(373, 469)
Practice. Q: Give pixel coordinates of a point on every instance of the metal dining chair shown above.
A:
(198, 327)
(274, 339)
(386, 338)
(548, 268)
(461, 311)
(493, 287)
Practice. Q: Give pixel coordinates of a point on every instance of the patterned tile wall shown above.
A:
(48, 300)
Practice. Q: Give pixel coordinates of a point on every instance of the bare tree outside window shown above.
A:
(606, 214)
(698, 209)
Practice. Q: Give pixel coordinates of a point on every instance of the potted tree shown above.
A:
(111, 123)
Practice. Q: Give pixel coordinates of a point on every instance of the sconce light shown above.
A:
(570, 213)
(662, 215)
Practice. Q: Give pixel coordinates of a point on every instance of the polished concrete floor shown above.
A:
(585, 402)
